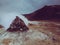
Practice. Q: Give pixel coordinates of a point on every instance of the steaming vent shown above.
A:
(17, 25)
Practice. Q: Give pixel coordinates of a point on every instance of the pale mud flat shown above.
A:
(18, 38)
(42, 33)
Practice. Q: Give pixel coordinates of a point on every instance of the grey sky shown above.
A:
(24, 6)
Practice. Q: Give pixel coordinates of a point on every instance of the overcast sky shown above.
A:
(11, 8)
(24, 6)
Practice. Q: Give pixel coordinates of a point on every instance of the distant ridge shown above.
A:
(51, 12)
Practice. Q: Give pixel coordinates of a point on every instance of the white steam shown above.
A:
(7, 18)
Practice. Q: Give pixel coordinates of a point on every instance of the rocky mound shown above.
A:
(17, 25)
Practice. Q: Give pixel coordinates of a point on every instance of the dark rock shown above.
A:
(1, 26)
(17, 25)
(51, 12)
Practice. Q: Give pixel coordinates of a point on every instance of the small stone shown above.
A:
(1, 26)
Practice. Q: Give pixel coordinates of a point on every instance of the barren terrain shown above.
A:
(41, 33)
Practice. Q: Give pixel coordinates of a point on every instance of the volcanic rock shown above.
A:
(17, 25)
(1, 26)
(51, 12)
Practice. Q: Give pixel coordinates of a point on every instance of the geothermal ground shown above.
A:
(40, 33)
